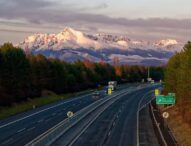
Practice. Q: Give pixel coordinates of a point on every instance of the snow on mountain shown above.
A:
(72, 45)
(166, 42)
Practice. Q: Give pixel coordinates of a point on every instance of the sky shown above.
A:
(138, 19)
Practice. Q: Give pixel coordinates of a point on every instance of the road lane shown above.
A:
(146, 129)
(117, 125)
(22, 130)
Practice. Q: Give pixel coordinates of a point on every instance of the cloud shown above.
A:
(42, 12)
(92, 8)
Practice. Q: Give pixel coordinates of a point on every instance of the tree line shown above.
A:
(26, 76)
(178, 80)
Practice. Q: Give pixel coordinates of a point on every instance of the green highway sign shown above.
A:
(168, 99)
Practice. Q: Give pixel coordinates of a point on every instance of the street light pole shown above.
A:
(148, 75)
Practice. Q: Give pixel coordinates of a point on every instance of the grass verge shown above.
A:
(6, 112)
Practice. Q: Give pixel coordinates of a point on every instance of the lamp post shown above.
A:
(148, 74)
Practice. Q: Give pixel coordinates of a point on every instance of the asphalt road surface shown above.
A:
(21, 129)
(116, 126)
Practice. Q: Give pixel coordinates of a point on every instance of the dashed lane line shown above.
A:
(21, 130)
(31, 128)
(7, 141)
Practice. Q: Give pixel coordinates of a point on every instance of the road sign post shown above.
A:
(165, 115)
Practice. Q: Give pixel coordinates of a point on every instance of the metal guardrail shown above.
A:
(158, 131)
(162, 130)
(55, 132)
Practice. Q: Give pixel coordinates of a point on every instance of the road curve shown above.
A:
(116, 126)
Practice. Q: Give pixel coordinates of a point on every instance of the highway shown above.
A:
(21, 129)
(116, 126)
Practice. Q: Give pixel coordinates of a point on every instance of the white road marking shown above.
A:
(109, 133)
(31, 128)
(53, 114)
(48, 119)
(21, 130)
(40, 120)
(138, 110)
(42, 111)
(7, 141)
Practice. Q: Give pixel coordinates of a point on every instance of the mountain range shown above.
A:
(71, 45)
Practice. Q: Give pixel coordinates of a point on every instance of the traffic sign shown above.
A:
(70, 114)
(109, 91)
(168, 99)
(165, 115)
(156, 92)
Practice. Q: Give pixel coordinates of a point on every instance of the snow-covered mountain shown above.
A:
(71, 45)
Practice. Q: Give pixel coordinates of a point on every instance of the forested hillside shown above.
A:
(178, 80)
(26, 76)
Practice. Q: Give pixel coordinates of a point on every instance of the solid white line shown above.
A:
(21, 130)
(109, 133)
(98, 114)
(138, 144)
(42, 111)
(42, 136)
(160, 132)
(146, 104)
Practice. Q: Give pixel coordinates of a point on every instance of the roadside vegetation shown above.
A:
(16, 108)
(180, 129)
(178, 80)
(24, 76)
(30, 104)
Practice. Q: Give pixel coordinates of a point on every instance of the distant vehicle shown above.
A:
(96, 95)
(149, 79)
(152, 81)
(112, 85)
(143, 80)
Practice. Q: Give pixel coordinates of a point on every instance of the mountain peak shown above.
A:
(69, 29)
(71, 45)
(167, 42)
